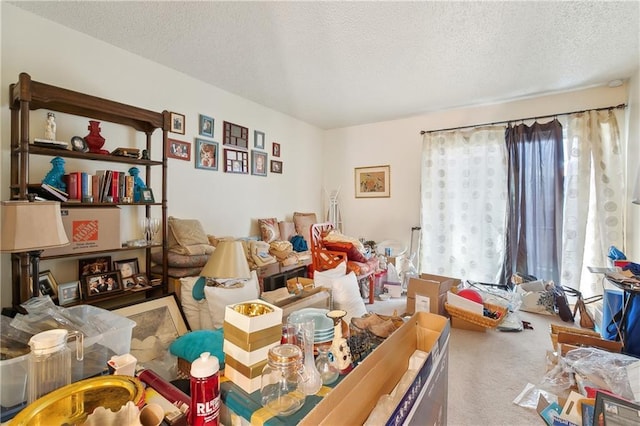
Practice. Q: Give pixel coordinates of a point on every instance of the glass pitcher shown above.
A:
(49, 366)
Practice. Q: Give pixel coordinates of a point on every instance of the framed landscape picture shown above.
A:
(373, 182)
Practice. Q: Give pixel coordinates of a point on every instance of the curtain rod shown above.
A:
(422, 132)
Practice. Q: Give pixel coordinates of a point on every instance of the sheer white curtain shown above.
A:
(464, 203)
(594, 198)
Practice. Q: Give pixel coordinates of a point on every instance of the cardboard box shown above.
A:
(89, 229)
(466, 325)
(425, 402)
(434, 287)
(306, 283)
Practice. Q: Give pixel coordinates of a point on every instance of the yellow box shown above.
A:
(249, 371)
(252, 341)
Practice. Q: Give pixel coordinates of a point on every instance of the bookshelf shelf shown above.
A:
(27, 95)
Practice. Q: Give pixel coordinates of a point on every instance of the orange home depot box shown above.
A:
(89, 229)
(434, 288)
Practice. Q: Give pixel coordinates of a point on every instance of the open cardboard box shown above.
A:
(353, 399)
(434, 288)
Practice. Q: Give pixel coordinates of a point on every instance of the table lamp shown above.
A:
(31, 227)
(227, 261)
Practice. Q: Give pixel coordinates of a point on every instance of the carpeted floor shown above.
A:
(488, 370)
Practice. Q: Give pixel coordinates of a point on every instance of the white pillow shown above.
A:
(219, 297)
(346, 296)
(190, 306)
(325, 278)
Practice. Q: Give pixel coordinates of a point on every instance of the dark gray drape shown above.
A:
(536, 179)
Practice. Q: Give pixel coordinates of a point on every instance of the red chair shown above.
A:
(323, 259)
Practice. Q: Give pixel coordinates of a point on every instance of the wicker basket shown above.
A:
(480, 320)
(184, 368)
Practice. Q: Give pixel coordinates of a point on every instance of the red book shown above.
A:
(115, 187)
(72, 186)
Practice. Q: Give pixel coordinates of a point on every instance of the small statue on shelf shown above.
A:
(138, 184)
(50, 128)
(55, 177)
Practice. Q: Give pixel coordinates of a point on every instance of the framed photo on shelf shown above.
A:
(236, 161)
(159, 322)
(235, 135)
(147, 195)
(206, 126)
(206, 154)
(276, 166)
(100, 285)
(93, 265)
(79, 144)
(69, 293)
(179, 149)
(373, 182)
(47, 285)
(276, 149)
(258, 139)
(141, 282)
(177, 123)
(128, 269)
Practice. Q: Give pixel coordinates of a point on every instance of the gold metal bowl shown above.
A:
(72, 404)
(252, 309)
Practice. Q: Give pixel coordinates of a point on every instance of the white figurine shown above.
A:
(50, 129)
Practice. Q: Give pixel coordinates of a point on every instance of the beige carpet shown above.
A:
(488, 370)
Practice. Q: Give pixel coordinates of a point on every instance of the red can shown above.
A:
(205, 391)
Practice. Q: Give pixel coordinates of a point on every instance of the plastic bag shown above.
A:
(529, 396)
(615, 254)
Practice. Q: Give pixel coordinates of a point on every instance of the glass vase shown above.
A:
(328, 372)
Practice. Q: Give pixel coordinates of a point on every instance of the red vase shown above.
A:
(94, 139)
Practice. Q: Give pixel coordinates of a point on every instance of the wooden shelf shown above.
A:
(98, 252)
(53, 152)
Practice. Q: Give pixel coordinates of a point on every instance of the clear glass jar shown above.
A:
(328, 372)
(281, 380)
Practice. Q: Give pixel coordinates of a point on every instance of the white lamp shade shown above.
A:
(31, 226)
(227, 261)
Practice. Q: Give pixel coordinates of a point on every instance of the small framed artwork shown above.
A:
(177, 123)
(206, 126)
(258, 163)
(100, 285)
(179, 149)
(147, 195)
(47, 285)
(79, 144)
(236, 161)
(69, 293)
(93, 265)
(141, 282)
(276, 166)
(258, 139)
(206, 154)
(236, 135)
(373, 182)
(276, 149)
(128, 268)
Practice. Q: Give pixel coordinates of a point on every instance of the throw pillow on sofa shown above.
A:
(269, 229)
(186, 236)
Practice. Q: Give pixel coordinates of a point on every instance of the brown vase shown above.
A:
(94, 139)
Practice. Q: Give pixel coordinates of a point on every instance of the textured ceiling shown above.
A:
(336, 64)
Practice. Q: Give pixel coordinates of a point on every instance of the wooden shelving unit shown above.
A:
(27, 95)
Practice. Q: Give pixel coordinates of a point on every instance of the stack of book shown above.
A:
(126, 152)
(47, 192)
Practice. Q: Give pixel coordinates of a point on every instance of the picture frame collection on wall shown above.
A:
(235, 154)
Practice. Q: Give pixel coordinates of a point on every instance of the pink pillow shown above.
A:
(345, 247)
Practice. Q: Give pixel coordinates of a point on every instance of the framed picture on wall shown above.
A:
(206, 154)
(236, 135)
(179, 149)
(206, 126)
(258, 163)
(373, 182)
(177, 123)
(236, 161)
(276, 166)
(276, 149)
(258, 139)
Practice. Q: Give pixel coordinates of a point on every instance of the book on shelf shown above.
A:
(51, 144)
(47, 192)
(126, 152)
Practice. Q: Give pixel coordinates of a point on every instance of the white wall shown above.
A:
(399, 144)
(226, 204)
(633, 168)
